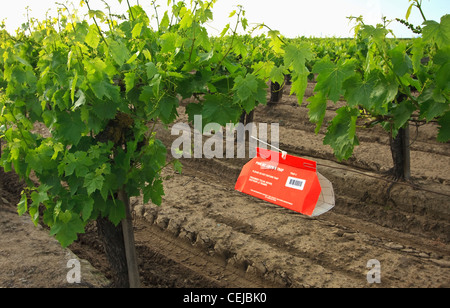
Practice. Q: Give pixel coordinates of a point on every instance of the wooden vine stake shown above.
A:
(128, 237)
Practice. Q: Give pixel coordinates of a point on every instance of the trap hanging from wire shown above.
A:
(288, 181)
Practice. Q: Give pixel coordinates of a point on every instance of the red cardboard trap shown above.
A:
(289, 181)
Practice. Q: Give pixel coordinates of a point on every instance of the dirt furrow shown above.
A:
(287, 248)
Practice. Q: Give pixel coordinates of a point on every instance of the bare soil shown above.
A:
(206, 234)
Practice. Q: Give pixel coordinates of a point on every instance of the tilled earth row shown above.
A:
(289, 249)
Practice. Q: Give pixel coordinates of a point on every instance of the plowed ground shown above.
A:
(206, 234)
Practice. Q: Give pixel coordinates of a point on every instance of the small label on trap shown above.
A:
(285, 180)
(295, 183)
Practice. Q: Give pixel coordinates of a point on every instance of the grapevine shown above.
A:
(96, 89)
(393, 81)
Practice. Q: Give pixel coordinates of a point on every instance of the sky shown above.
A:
(293, 18)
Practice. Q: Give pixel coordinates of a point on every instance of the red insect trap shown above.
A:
(289, 181)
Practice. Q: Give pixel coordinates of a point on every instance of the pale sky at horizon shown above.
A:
(316, 18)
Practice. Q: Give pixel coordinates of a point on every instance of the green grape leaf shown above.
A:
(442, 58)
(332, 76)
(263, 69)
(219, 109)
(186, 21)
(193, 109)
(116, 211)
(240, 49)
(96, 13)
(93, 182)
(275, 43)
(249, 92)
(106, 109)
(77, 163)
(92, 38)
(165, 21)
(80, 101)
(438, 32)
(408, 12)
(151, 69)
(169, 42)
(401, 61)
(154, 192)
(296, 56)
(66, 232)
(88, 207)
(358, 91)
(277, 74)
(137, 30)
(432, 104)
(167, 108)
(22, 206)
(341, 134)
(70, 126)
(402, 113)
(299, 85)
(378, 34)
(177, 166)
(95, 68)
(383, 93)
(130, 79)
(224, 30)
(99, 88)
(444, 128)
(119, 51)
(157, 192)
(417, 52)
(317, 109)
(245, 87)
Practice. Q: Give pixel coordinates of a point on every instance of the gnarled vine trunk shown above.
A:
(401, 154)
(276, 92)
(113, 243)
(118, 242)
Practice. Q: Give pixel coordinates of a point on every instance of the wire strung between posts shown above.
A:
(384, 179)
(284, 153)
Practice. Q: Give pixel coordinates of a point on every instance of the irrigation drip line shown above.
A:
(385, 179)
(375, 177)
(361, 173)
